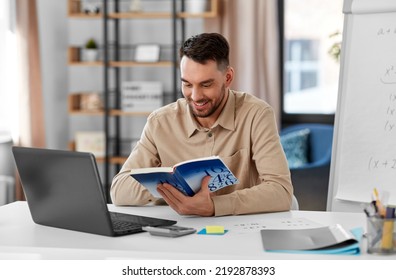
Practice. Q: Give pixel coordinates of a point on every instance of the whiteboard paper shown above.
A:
(364, 155)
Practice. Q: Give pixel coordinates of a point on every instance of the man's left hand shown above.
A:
(200, 204)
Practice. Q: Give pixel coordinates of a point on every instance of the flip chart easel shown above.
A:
(364, 144)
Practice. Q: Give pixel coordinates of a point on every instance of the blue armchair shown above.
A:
(311, 178)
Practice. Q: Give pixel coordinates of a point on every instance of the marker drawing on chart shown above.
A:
(389, 75)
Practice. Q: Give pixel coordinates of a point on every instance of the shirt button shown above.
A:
(210, 134)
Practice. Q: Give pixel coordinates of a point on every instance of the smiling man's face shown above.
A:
(205, 87)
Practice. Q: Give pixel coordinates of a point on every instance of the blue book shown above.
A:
(187, 175)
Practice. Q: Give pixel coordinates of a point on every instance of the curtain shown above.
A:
(31, 115)
(252, 29)
(32, 131)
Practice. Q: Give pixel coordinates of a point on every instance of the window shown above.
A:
(311, 37)
(8, 84)
(301, 66)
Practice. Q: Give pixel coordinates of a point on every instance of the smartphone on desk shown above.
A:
(169, 231)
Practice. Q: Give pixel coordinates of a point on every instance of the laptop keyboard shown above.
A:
(128, 223)
(125, 226)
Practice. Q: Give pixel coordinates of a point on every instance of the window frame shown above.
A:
(288, 118)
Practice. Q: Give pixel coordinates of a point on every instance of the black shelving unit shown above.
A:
(111, 122)
(113, 64)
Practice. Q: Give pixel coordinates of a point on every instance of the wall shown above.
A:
(53, 51)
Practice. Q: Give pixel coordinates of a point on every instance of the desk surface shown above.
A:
(21, 238)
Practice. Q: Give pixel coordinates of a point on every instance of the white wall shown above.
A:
(53, 51)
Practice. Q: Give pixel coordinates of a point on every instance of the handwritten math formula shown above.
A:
(389, 75)
(386, 31)
(383, 163)
(390, 113)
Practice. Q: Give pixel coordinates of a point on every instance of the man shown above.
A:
(210, 120)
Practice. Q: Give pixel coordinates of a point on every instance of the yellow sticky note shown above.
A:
(214, 229)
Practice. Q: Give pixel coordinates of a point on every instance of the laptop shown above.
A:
(63, 189)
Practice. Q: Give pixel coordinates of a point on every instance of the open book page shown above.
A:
(152, 170)
(196, 160)
(194, 171)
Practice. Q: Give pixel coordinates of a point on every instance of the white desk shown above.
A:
(21, 238)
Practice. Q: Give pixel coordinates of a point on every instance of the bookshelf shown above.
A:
(113, 62)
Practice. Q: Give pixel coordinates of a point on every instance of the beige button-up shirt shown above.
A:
(245, 136)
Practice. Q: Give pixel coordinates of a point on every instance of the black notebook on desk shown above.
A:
(63, 189)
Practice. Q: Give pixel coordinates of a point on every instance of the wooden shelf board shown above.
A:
(134, 64)
(112, 113)
(124, 113)
(118, 160)
(140, 15)
(165, 15)
(85, 16)
(209, 14)
(85, 63)
(86, 112)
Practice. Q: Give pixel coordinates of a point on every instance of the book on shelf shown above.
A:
(186, 176)
(141, 96)
(320, 240)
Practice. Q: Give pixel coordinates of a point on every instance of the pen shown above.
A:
(378, 204)
(375, 191)
(370, 209)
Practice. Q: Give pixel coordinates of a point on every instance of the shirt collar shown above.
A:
(226, 118)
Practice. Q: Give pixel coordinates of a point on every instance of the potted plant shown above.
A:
(335, 49)
(90, 7)
(91, 50)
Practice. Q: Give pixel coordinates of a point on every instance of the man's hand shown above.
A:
(200, 204)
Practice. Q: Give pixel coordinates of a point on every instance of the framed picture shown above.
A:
(147, 53)
(91, 141)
